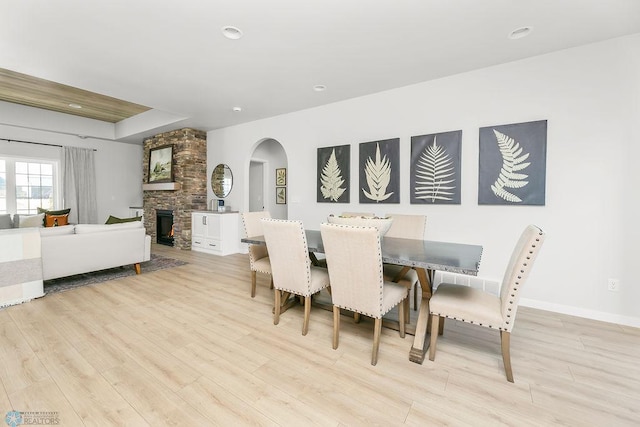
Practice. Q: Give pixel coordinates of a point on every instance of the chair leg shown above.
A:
(253, 284)
(402, 310)
(441, 326)
(356, 317)
(377, 329)
(336, 326)
(505, 340)
(307, 314)
(407, 306)
(277, 305)
(271, 284)
(435, 319)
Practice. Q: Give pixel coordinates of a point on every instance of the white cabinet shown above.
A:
(215, 233)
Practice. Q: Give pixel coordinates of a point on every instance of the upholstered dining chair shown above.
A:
(291, 268)
(366, 214)
(406, 227)
(475, 306)
(354, 260)
(258, 254)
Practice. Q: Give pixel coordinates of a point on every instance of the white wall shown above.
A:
(590, 97)
(118, 165)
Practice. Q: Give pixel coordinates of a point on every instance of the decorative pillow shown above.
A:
(55, 220)
(52, 212)
(115, 220)
(5, 221)
(31, 220)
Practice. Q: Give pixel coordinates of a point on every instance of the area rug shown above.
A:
(157, 262)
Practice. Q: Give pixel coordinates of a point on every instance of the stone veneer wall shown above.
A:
(190, 170)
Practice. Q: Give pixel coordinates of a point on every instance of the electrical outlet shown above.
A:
(613, 285)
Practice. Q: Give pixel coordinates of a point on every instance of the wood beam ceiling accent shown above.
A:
(40, 93)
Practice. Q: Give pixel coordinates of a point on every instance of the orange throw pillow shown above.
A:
(55, 220)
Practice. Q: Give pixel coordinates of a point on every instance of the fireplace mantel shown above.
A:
(161, 186)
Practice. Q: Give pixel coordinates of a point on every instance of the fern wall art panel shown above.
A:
(333, 174)
(435, 168)
(513, 162)
(379, 171)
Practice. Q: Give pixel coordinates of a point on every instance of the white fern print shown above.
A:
(511, 164)
(378, 176)
(433, 167)
(331, 179)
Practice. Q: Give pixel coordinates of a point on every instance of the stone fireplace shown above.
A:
(187, 192)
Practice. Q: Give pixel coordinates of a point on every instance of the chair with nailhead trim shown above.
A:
(475, 306)
(291, 268)
(258, 254)
(354, 259)
(406, 227)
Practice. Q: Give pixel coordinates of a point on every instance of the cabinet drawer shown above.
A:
(207, 245)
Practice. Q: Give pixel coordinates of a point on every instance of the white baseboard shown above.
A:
(582, 312)
(493, 286)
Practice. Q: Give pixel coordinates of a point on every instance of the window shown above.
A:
(27, 184)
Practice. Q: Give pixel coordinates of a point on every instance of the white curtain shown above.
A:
(79, 185)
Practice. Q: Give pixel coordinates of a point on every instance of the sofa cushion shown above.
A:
(115, 220)
(51, 220)
(101, 228)
(56, 231)
(30, 220)
(5, 221)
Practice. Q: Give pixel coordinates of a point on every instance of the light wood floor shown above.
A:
(187, 346)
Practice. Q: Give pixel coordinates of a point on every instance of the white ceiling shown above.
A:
(171, 56)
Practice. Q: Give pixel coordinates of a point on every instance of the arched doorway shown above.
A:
(267, 156)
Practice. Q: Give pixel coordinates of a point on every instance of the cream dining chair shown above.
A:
(291, 268)
(365, 214)
(258, 254)
(354, 260)
(481, 308)
(406, 227)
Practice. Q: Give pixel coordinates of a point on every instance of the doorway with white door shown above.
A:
(268, 183)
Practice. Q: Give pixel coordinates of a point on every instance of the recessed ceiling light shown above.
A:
(319, 88)
(521, 32)
(237, 109)
(75, 105)
(230, 32)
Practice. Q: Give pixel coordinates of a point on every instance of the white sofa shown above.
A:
(82, 248)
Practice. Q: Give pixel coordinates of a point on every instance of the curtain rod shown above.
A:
(32, 142)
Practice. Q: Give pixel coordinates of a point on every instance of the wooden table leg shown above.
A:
(420, 344)
(286, 302)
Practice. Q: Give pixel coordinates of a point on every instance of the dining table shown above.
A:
(425, 257)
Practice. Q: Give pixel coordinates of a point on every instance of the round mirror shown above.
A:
(221, 180)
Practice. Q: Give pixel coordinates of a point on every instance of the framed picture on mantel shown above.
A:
(160, 164)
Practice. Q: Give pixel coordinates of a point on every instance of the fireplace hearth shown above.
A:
(164, 227)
